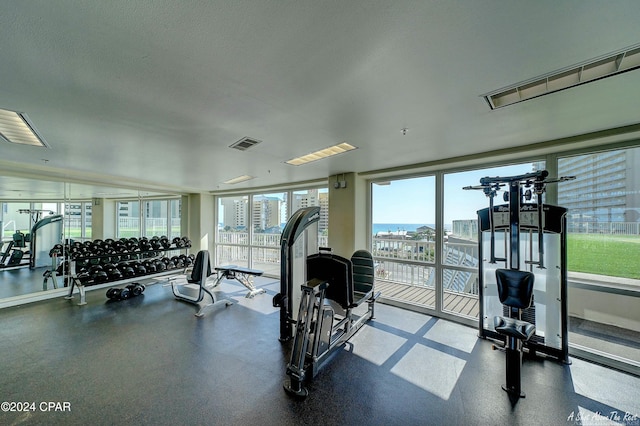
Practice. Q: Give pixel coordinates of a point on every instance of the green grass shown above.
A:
(604, 254)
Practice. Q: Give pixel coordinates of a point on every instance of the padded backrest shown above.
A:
(201, 266)
(19, 239)
(338, 271)
(515, 288)
(363, 271)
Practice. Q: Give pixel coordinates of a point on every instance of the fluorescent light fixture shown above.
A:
(323, 153)
(586, 72)
(238, 179)
(15, 127)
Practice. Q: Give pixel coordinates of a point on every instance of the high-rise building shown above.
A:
(235, 213)
(266, 213)
(606, 188)
(313, 197)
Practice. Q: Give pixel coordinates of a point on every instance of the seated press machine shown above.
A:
(520, 304)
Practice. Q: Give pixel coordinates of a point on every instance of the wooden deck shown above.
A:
(462, 304)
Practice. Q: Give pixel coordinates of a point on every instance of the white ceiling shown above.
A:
(150, 94)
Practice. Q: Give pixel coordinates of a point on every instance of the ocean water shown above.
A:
(394, 227)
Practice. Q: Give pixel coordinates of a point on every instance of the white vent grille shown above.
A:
(596, 69)
(244, 144)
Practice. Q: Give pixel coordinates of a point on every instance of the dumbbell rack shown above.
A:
(80, 281)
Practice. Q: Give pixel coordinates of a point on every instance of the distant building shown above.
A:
(235, 213)
(466, 229)
(606, 188)
(393, 235)
(266, 213)
(313, 197)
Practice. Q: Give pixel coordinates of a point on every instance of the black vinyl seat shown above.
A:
(515, 290)
(520, 330)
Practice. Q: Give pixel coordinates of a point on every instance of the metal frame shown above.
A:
(550, 219)
(297, 227)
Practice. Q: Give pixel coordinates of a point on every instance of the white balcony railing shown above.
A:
(412, 262)
(618, 228)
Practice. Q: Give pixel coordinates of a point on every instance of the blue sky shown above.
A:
(413, 200)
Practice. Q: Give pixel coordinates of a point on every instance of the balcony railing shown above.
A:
(412, 263)
(233, 248)
(618, 228)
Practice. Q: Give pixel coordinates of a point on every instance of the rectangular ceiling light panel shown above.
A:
(323, 153)
(596, 69)
(15, 127)
(239, 179)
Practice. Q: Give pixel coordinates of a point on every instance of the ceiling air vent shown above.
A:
(586, 72)
(244, 144)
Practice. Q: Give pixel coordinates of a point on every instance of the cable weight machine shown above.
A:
(522, 272)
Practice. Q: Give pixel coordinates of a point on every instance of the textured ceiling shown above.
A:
(150, 94)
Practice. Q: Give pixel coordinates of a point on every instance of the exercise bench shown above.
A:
(243, 275)
(193, 288)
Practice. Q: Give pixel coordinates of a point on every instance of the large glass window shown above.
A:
(78, 220)
(250, 226)
(460, 238)
(233, 231)
(156, 218)
(403, 239)
(314, 197)
(603, 250)
(128, 213)
(175, 214)
(604, 212)
(87, 220)
(269, 215)
(14, 221)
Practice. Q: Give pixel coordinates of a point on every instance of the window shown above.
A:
(78, 220)
(413, 267)
(250, 226)
(604, 212)
(175, 214)
(128, 219)
(14, 221)
(460, 238)
(603, 248)
(403, 239)
(156, 218)
(232, 238)
(314, 197)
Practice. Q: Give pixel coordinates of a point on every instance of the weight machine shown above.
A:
(523, 271)
(45, 233)
(336, 287)
(298, 241)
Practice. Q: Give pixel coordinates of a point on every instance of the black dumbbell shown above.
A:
(119, 293)
(136, 289)
(164, 242)
(100, 277)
